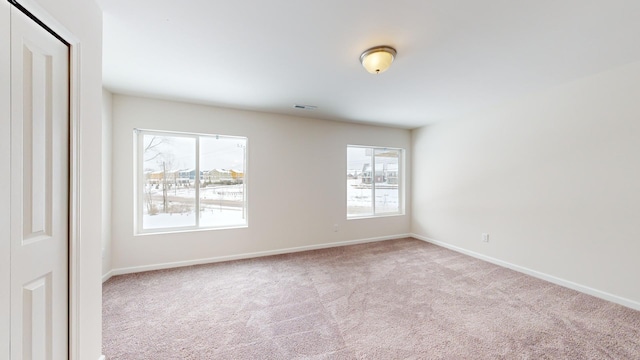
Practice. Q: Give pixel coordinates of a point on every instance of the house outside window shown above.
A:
(189, 181)
(374, 181)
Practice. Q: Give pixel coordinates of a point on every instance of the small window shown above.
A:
(190, 181)
(374, 181)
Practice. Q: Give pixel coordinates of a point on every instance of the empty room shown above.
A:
(320, 180)
(409, 180)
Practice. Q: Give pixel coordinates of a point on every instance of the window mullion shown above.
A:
(373, 180)
(196, 182)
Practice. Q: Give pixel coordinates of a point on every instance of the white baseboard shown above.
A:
(102, 357)
(558, 281)
(107, 276)
(135, 269)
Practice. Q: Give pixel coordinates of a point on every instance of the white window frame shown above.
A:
(139, 183)
(401, 183)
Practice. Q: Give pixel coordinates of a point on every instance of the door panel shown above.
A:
(36, 318)
(39, 192)
(36, 140)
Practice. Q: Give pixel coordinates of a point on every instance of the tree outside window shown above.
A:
(190, 181)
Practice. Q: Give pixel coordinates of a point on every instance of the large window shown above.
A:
(374, 181)
(190, 181)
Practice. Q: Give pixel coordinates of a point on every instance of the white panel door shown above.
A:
(39, 192)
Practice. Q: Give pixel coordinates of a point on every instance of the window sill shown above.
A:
(374, 216)
(190, 230)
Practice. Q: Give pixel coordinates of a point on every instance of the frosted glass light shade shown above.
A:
(378, 59)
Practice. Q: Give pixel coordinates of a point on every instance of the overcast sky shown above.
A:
(179, 152)
(358, 156)
(224, 152)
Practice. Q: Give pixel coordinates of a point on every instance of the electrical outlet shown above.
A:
(485, 237)
(336, 227)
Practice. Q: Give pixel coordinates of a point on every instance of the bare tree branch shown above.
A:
(152, 147)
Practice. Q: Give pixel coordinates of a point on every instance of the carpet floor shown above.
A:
(397, 299)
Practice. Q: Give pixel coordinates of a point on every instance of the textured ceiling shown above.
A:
(454, 56)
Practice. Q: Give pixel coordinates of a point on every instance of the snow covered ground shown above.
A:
(219, 206)
(222, 206)
(208, 218)
(359, 198)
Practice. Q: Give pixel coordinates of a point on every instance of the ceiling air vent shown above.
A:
(305, 107)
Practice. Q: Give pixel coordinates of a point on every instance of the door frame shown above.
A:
(75, 142)
(5, 181)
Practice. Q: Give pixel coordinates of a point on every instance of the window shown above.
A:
(374, 181)
(190, 181)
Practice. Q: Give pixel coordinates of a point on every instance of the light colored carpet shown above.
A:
(399, 299)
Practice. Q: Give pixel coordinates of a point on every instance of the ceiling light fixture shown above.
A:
(378, 59)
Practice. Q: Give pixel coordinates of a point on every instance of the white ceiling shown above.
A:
(454, 56)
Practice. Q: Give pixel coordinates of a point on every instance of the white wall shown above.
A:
(107, 124)
(296, 183)
(554, 178)
(83, 19)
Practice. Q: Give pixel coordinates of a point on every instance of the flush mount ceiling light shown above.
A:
(378, 59)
